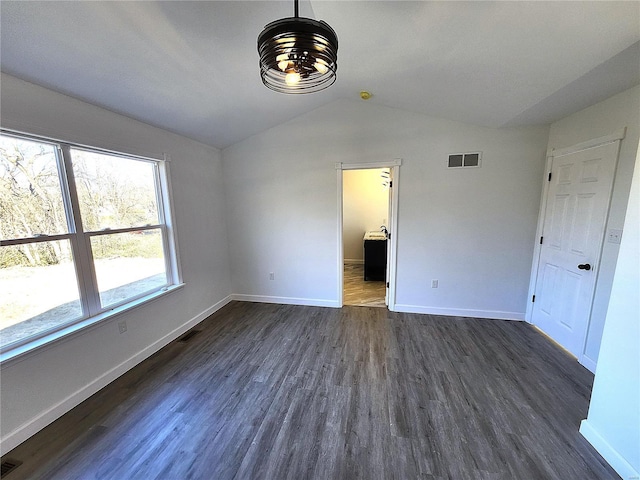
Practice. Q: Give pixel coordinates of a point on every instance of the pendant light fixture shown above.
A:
(298, 55)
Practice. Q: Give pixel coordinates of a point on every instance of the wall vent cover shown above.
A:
(8, 466)
(461, 160)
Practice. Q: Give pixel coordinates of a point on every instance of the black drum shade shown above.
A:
(298, 55)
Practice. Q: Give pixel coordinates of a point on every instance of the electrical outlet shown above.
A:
(434, 283)
(122, 326)
(614, 235)
(272, 276)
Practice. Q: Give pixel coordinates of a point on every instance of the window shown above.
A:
(82, 232)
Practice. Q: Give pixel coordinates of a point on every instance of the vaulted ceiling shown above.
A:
(192, 67)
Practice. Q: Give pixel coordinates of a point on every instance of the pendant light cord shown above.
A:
(295, 8)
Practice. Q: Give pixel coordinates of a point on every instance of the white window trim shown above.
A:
(87, 284)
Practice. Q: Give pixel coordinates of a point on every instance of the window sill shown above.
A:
(21, 352)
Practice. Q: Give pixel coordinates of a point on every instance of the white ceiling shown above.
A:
(192, 67)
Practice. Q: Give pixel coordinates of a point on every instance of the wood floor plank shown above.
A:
(280, 391)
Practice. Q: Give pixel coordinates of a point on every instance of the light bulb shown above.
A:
(283, 61)
(292, 78)
(321, 67)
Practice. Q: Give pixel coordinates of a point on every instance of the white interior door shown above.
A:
(573, 231)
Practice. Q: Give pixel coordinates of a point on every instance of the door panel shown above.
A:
(547, 287)
(559, 214)
(571, 289)
(573, 231)
(581, 229)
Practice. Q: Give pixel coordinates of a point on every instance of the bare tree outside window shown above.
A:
(30, 199)
(120, 226)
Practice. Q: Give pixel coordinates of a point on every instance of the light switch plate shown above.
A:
(614, 235)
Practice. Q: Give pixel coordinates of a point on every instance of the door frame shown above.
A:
(616, 136)
(394, 166)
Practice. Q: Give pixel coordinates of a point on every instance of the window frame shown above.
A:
(80, 243)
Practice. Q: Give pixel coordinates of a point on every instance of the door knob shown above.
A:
(584, 266)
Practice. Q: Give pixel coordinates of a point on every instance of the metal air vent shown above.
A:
(461, 160)
(8, 466)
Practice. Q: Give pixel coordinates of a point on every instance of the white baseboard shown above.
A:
(588, 364)
(313, 302)
(610, 454)
(353, 261)
(33, 426)
(458, 312)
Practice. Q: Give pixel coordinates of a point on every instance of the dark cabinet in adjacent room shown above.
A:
(375, 256)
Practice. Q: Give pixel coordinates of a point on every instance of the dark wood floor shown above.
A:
(292, 392)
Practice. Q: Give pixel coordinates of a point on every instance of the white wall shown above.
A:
(365, 207)
(622, 110)
(613, 423)
(472, 229)
(39, 387)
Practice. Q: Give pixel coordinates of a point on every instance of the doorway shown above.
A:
(367, 212)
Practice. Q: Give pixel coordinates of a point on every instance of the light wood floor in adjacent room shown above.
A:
(358, 292)
(293, 392)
